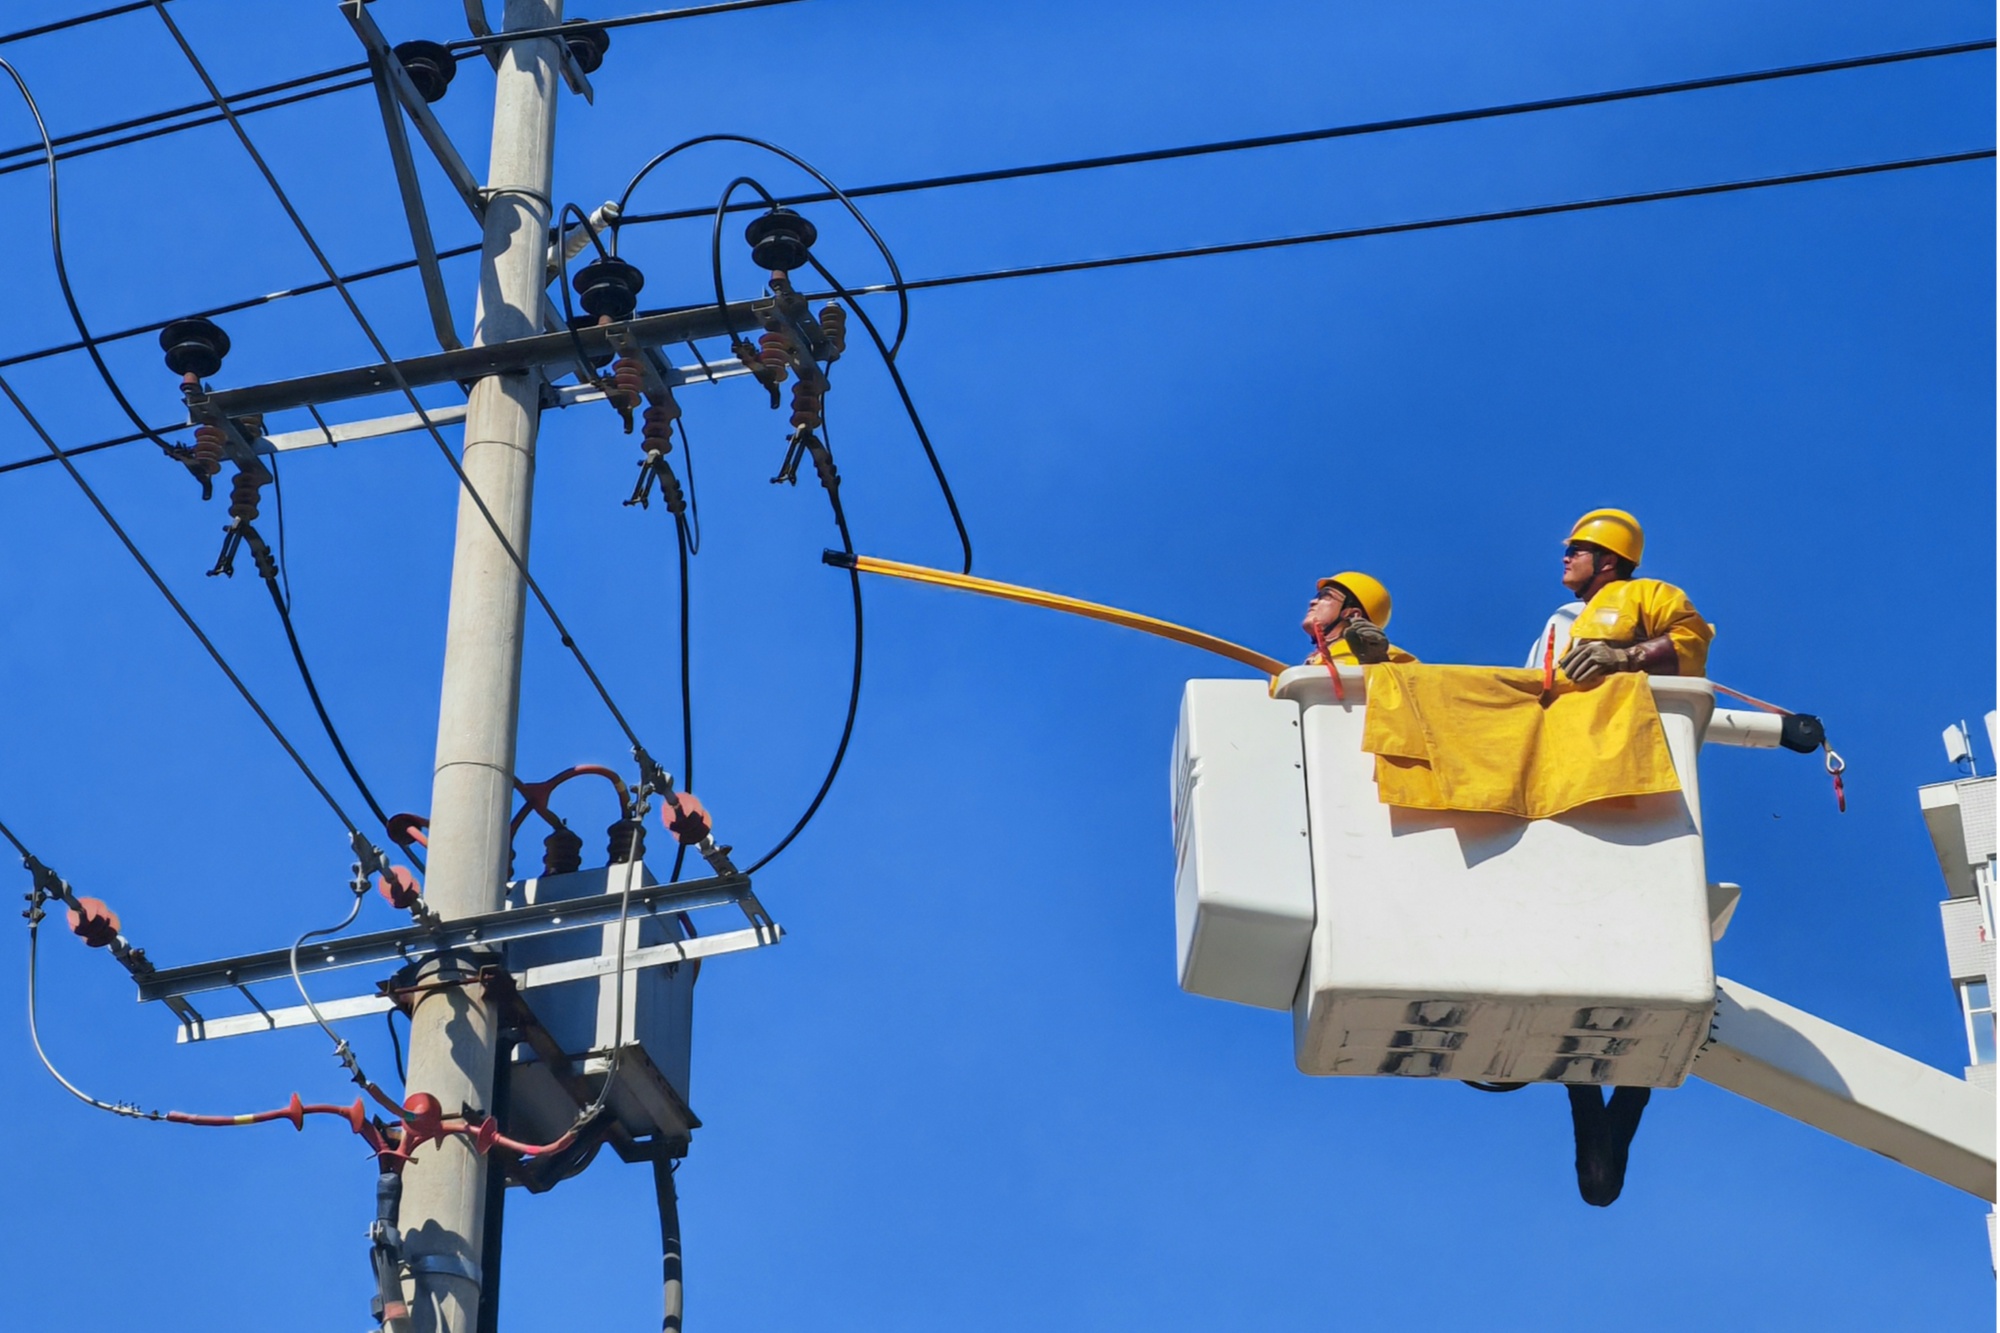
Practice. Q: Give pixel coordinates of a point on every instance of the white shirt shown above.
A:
(1560, 622)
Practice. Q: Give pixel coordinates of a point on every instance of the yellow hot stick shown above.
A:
(1193, 638)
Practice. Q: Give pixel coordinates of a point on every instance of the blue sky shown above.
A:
(965, 1090)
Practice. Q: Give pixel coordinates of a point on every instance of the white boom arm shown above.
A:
(1854, 1089)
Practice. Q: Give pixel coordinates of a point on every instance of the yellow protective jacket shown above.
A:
(1632, 610)
(1344, 656)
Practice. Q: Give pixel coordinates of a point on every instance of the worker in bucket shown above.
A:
(1618, 623)
(1346, 620)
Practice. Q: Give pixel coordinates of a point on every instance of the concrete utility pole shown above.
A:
(453, 1034)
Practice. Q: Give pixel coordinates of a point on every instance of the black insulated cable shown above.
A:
(909, 406)
(829, 477)
(62, 267)
(1015, 173)
(74, 21)
(214, 653)
(1116, 261)
(403, 385)
(1357, 129)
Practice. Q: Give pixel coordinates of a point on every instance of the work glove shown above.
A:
(1591, 659)
(1369, 644)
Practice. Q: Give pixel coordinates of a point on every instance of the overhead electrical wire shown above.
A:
(215, 654)
(1231, 247)
(1440, 223)
(854, 690)
(74, 21)
(1357, 129)
(389, 362)
(154, 125)
(284, 609)
(62, 271)
(1079, 164)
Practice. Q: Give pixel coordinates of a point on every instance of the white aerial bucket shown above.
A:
(1473, 946)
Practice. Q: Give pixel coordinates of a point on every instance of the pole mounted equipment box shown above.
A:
(1437, 944)
(650, 1025)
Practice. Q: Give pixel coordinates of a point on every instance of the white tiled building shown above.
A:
(1960, 817)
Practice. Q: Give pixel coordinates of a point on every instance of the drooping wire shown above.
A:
(881, 246)
(909, 405)
(694, 496)
(214, 653)
(62, 269)
(854, 691)
(55, 241)
(1010, 173)
(401, 383)
(396, 1046)
(887, 350)
(282, 601)
(684, 549)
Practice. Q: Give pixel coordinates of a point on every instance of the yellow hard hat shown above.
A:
(1374, 598)
(1613, 529)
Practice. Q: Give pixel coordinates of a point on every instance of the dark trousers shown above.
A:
(1604, 1133)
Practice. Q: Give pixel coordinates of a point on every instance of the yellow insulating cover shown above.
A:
(1480, 739)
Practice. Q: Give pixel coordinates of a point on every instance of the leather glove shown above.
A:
(1369, 644)
(1591, 659)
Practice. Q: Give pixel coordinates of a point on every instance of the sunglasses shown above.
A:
(1575, 549)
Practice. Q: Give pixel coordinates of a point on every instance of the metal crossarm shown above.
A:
(413, 942)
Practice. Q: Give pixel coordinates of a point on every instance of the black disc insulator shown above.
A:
(608, 287)
(562, 852)
(587, 44)
(194, 347)
(627, 841)
(429, 66)
(780, 240)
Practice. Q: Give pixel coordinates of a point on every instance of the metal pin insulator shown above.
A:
(208, 442)
(833, 323)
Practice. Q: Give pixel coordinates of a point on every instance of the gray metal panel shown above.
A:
(1967, 950)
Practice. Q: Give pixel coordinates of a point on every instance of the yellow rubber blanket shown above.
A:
(1481, 739)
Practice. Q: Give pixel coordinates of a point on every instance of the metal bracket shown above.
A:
(471, 363)
(572, 73)
(788, 313)
(419, 110)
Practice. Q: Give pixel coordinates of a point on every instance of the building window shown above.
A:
(1978, 998)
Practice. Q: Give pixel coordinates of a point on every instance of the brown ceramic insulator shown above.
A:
(774, 357)
(808, 406)
(208, 442)
(243, 497)
(628, 383)
(833, 323)
(658, 433)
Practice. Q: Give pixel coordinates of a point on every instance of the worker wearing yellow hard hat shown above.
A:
(1623, 623)
(1346, 619)
(1619, 623)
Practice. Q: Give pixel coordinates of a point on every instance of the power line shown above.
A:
(74, 22)
(1356, 130)
(158, 119)
(215, 654)
(1040, 169)
(1438, 224)
(389, 362)
(1309, 238)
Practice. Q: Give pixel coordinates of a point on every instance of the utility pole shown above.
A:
(453, 1032)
